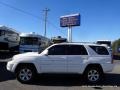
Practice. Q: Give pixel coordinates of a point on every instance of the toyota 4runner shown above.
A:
(90, 60)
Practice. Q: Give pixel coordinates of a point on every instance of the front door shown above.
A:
(55, 61)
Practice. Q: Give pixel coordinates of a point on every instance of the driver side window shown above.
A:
(57, 50)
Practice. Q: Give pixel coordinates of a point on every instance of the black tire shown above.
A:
(93, 75)
(25, 74)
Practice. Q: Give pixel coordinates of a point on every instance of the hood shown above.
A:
(28, 54)
(24, 56)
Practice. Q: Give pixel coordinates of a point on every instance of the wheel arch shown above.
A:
(94, 65)
(26, 64)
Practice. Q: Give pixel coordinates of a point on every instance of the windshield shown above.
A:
(29, 41)
(108, 43)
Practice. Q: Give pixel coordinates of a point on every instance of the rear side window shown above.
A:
(100, 50)
(76, 50)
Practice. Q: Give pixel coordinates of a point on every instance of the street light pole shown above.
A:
(70, 34)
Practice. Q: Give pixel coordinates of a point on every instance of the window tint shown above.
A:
(100, 50)
(77, 50)
(57, 50)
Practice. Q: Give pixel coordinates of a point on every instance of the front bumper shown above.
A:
(9, 66)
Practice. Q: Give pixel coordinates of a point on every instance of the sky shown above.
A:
(100, 19)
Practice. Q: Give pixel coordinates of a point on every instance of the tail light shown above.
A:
(112, 61)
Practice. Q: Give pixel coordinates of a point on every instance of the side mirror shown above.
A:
(46, 53)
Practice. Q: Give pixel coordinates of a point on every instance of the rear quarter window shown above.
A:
(101, 50)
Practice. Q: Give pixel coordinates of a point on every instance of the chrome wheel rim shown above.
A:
(93, 75)
(25, 74)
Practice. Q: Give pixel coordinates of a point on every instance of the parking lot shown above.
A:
(58, 82)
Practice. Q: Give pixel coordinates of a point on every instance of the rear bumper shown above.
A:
(107, 67)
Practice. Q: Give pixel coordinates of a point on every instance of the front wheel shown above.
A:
(93, 75)
(25, 74)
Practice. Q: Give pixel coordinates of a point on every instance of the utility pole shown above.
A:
(46, 13)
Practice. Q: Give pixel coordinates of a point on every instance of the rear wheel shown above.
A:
(25, 74)
(93, 75)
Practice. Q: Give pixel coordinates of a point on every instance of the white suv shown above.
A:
(90, 60)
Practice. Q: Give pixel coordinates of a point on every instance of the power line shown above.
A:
(20, 10)
(54, 26)
(27, 13)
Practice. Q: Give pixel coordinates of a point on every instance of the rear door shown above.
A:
(76, 56)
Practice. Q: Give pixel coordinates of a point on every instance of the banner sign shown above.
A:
(70, 20)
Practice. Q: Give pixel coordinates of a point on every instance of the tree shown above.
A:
(115, 46)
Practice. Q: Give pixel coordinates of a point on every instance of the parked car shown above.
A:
(90, 60)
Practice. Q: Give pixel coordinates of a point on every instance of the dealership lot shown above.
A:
(58, 82)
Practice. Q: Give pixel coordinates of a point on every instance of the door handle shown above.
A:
(64, 57)
(85, 57)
